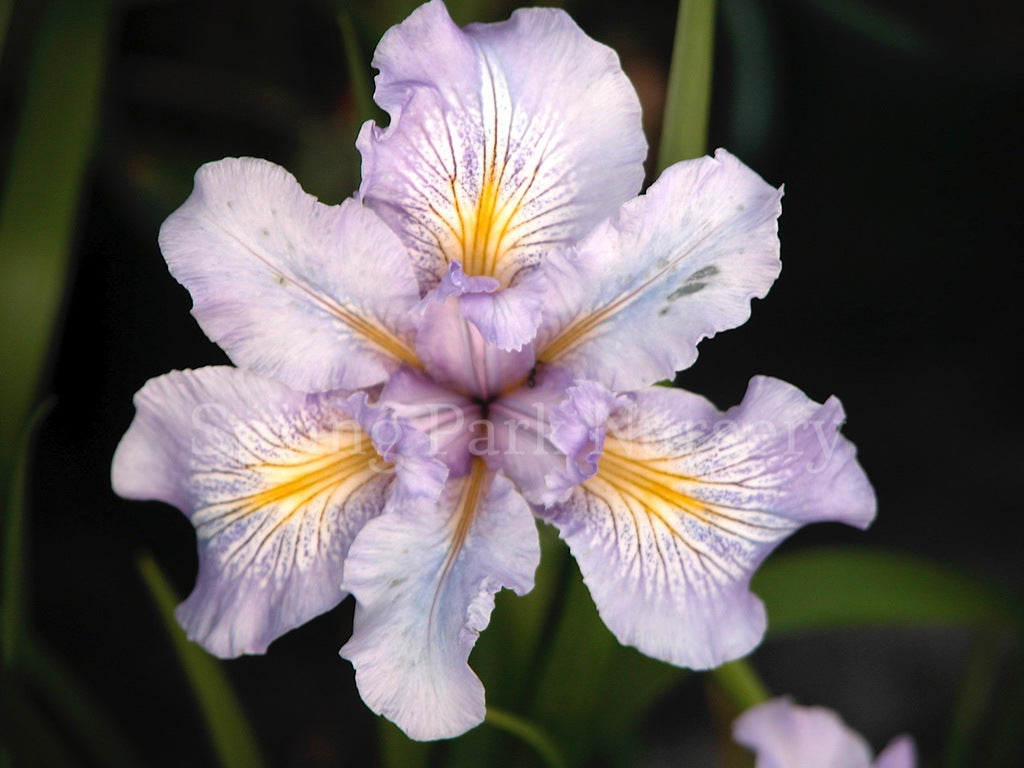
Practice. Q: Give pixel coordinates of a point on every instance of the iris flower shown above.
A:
(784, 735)
(468, 344)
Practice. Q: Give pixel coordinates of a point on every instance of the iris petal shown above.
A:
(685, 504)
(785, 735)
(676, 265)
(506, 140)
(315, 296)
(424, 578)
(276, 483)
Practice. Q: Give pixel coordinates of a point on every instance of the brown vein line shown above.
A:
(465, 512)
(382, 338)
(570, 336)
(624, 491)
(317, 488)
(698, 508)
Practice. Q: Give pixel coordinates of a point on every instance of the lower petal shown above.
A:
(784, 735)
(277, 484)
(687, 502)
(424, 578)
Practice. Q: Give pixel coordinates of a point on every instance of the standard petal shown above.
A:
(505, 139)
(686, 503)
(674, 266)
(276, 483)
(784, 735)
(901, 753)
(315, 296)
(424, 579)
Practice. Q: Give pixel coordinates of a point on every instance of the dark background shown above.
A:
(897, 133)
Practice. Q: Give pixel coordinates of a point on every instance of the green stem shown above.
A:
(740, 682)
(541, 657)
(529, 733)
(684, 131)
(230, 733)
(358, 76)
(6, 6)
(979, 684)
(48, 162)
(15, 544)
(76, 706)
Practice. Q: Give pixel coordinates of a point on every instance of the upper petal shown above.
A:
(686, 502)
(315, 296)
(424, 577)
(276, 483)
(505, 139)
(784, 735)
(674, 266)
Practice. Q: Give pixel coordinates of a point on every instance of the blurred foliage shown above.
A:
(684, 133)
(232, 737)
(854, 587)
(49, 157)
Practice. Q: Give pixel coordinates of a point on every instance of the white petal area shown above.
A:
(682, 262)
(687, 502)
(277, 484)
(505, 140)
(901, 753)
(424, 580)
(315, 296)
(785, 735)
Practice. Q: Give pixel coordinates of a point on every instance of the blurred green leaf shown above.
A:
(753, 97)
(26, 735)
(399, 751)
(14, 598)
(581, 696)
(529, 733)
(1003, 745)
(875, 23)
(358, 68)
(830, 588)
(684, 130)
(49, 157)
(979, 683)
(229, 731)
(740, 682)
(74, 706)
(467, 11)
(6, 6)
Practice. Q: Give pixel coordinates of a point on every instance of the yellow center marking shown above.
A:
(483, 231)
(290, 486)
(465, 512)
(657, 490)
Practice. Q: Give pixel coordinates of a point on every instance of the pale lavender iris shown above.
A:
(470, 345)
(785, 735)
